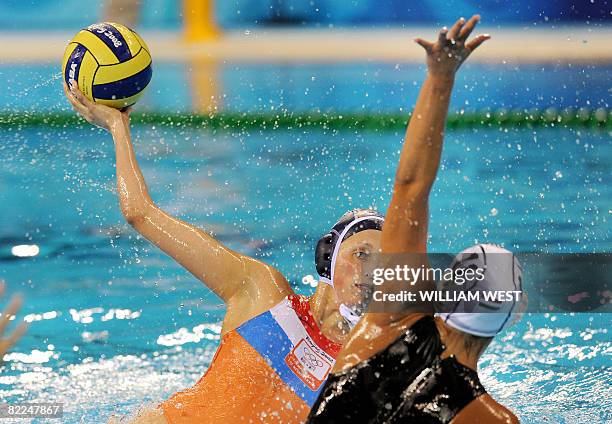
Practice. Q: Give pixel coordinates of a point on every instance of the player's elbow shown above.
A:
(512, 419)
(133, 215)
(405, 180)
(414, 187)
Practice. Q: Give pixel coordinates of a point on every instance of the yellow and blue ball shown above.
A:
(110, 63)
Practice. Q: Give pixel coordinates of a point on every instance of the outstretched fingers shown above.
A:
(5, 317)
(76, 104)
(468, 27)
(473, 45)
(427, 45)
(442, 39)
(74, 88)
(9, 312)
(18, 333)
(454, 31)
(72, 98)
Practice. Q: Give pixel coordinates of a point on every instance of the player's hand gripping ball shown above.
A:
(110, 63)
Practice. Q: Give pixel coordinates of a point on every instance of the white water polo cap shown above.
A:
(502, 273)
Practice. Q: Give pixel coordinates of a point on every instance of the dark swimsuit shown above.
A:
(407, 382)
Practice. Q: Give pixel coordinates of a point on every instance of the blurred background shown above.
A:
(301, 109)
(168, 14)
(261, 55)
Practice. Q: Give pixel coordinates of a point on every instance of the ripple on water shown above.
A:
(549, 373)
(96, 389)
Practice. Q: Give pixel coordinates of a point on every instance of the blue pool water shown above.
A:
(354, 87)
(116, 324)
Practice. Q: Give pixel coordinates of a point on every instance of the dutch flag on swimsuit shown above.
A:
(288, 338)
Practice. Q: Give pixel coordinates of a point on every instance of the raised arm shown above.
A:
(405, 229)
(239, 280)
(406, 221)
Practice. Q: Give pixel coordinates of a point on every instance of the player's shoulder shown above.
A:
(485, 410)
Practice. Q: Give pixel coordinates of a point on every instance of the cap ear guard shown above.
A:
(323, 256)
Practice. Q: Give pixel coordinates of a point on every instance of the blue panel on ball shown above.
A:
(113, 39)
(124, 88)
(74, 63)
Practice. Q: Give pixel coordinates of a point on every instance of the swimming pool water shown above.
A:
(344, 87)
(116, 324)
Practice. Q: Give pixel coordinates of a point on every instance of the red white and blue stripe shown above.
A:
(287, 337)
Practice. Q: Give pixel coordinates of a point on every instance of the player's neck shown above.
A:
(455, 346)
(324, 309)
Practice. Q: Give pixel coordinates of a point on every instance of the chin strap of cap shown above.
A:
(351, 317)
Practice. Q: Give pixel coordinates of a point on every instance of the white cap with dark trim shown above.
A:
(502, 272)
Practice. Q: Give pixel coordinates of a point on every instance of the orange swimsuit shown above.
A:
(270, 369)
